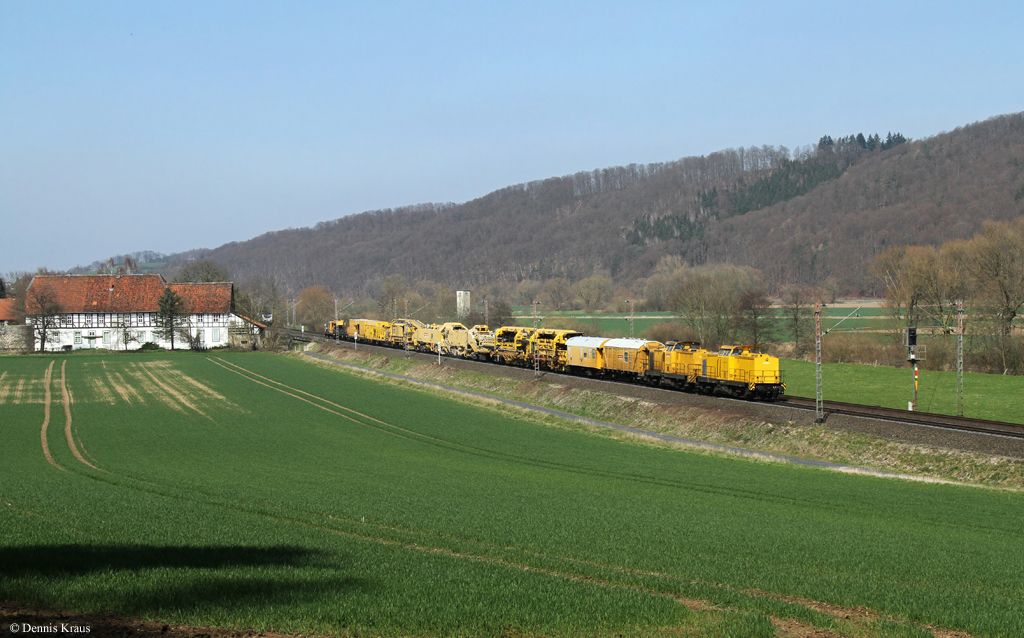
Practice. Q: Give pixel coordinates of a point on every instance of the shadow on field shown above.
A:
(82, 559)
(162, 580)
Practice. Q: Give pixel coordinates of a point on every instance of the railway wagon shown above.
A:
(336, 330)
(345, 329)
(429, 338)
(550, 347)
(511, 345)
(629, 357)
(457, 338)
(371, 330)
(402, 331)
(584, 355)
(484, 338)
(600, 356)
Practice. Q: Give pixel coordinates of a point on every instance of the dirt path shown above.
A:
(46, 417)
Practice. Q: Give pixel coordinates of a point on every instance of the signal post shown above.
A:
(915, 353)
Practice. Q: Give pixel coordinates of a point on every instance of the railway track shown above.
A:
(299, 335)
(929, 419)
(926, 419)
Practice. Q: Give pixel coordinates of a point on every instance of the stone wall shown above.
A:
(14, 337)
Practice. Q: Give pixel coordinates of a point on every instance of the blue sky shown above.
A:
(131, 126)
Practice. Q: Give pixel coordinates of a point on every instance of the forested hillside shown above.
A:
(819, 214)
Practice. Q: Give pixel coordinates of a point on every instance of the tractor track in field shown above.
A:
(173, 392)
(47, 379)
(66, 401)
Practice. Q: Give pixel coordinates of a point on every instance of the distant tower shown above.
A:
(462, 306)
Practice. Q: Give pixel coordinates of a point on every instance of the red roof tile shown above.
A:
(97, 293)
(125, 293)
(212, 297)
(7, 312)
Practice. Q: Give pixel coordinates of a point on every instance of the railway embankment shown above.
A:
(881, 444)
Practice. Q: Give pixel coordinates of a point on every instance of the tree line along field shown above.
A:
(257, 491)
(871, 318)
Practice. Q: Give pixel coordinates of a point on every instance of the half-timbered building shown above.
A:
(119, 312)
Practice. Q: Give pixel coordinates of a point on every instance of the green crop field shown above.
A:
(257, 491)
(985, 396)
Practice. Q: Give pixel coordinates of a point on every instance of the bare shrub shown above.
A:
(854, 348)
(985, 355)
(941, 355)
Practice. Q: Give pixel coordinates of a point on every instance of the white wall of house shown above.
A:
(128, 331)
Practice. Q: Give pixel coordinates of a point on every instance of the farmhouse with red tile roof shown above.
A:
(8, 316)
(119, 312)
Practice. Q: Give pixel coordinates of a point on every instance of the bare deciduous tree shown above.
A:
(44, 308)
(706, 298)
(796, 312)
(559, 292)
(393, 292)
(995, 260)
(755, 318)
(316, 308)
(261, 300)
(593, 291)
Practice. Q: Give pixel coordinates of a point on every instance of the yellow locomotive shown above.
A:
(739, 371)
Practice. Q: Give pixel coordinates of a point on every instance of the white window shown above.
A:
(216, 335)
(106, 337)
(78, 337)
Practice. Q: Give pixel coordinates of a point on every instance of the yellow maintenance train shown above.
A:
(738, 371)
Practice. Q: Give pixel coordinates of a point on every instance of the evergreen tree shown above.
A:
(893, 140)
(171, 316)
(3, 289)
